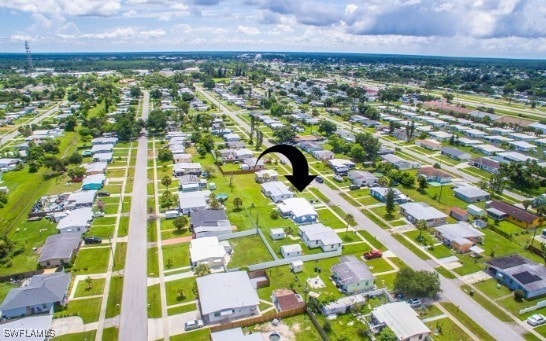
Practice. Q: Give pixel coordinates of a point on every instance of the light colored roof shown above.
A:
(186, 165)
(298, 207)
(30, 323)
(277, 230)
(228, 290)
(489, 148)
(95, 166)
(420, 210)
(82, 197)
(459, 230)
(94, 179)
(101, 147)
(79, 217)
(269, 172)
(205, 248)
(320, 232)
(471, 191)
(275, 188)
(103, 156)
(351, 270)
(193, 199)
(401, 319)
(291, 248)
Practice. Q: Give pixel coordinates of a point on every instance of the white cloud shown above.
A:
(65, 7)
(248, 30)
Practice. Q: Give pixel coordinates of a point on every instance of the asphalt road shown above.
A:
(134, 313)
(10, 136)
(450, 288)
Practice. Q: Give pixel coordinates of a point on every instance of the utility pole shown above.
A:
(29, 57)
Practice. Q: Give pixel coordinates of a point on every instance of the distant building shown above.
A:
(471, 194)
(318, 235)
(415, 211)
(517, 272)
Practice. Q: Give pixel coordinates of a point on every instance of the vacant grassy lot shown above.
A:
(119, 260)
(90, 335)
(154, 301)
(91, 260)
(467, 321)
(184, 285)
(97, 288)
(248, 250)
(87, 309)
(114, 296)
(176, 256)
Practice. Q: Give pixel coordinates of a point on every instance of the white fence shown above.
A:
(285, 261)
(539, 305)
(237, 234)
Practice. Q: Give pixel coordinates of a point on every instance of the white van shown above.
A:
(171, 214)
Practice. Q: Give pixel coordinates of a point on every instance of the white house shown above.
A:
(276, 191)
(77, 220)
(208, 251)
(401, 319)
(226, 296)
(415, 211)
(299, 209)
(291, 250)
(277, 233)
(318, 235)
(192, 201)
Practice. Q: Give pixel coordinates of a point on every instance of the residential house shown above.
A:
(38, 296)
(401, 319)
(208, 251)
(475, 211)
(362, 178)
(253, 164)
(471, 194)
(277, 191)
(507, 157)
(232, 137)
(265, 175)
(184, 168)
(299, 209)
(485, 163)
(181, 158)
(432, 174)
(103, 157)
(191, 183)
(189, 202)
(460, 236)
(93, 182)
(310, 146)
(352, 276)
(487, 149)
(456, 154)
(59, 249)
(440, 135)
(429, 144)
(104, 140)
(519, 273)
(318, 235)
(399, 163)
(415, 211)
(78, 220)
(226, 296)
(291, 250)
(341, 166)
(80, 199)
(102, 148)
(380, 193)
(323, 155)
(95, 168)
(242, 154)
(513, 214)
(208, 223)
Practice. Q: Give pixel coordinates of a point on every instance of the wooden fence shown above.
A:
(258, 319)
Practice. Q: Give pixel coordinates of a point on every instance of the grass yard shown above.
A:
(446, 330)
(103, 231)
(123, 226)
(154, 301)
(475, 328)
(492, 289)
(5, 288)
(247, 251)
(326, 217)
(87, 309)
(89, 335)
(186, 285)
(92, 260)
(119, 259)
(487, 304)
(371, 239)
(410, 246)
(195, 335)
(110, 334)
(300, 325)
(97, 288)
(378, 265)
(153, 264)
(176, 255)
(182, 309)
(114, 296)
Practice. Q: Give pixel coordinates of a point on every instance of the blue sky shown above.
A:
(489, 28)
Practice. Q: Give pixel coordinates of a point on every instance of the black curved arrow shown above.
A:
(300, 177)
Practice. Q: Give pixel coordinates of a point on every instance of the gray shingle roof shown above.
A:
(350, 270)
(207, 217)
(42, 289)
(60, 246)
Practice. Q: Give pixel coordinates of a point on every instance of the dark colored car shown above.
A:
(103, 194)
(353, 187)
(92, 240)
(373, 254)
(319, 179)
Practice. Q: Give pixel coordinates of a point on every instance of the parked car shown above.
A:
(536, 319)
(353, 187)
(103, 194)
(87, 153)
(98, 214)
(193, 324)
(338, 178)
(375, 253)
(319, 179)
(414, 302)
(92, 240)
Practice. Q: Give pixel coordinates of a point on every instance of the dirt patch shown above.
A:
(282, 329)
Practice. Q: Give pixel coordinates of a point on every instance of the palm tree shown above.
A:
(421, 225)
(350, 220)
(384, 181)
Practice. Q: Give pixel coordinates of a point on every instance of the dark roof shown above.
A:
(431, 171)
(288, 300)
(526, 277)
(453, 151)
(203, 217)
(513, 211)
(60, 246)
(486, 162)
(507, 261)
(458, 211)
(42, 289)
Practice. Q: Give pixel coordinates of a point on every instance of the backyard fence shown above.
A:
(273, 254)
(232, 235)
(258, 319)
(539, 305)
(285, 261)
(317, 325)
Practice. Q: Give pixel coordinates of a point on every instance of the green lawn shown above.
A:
(87, 309)
(300, 325)
(371, 239)
(196, 335)
(487, 304)
(378, 265)
(446, 329)
(5, 288)
(154, 301)
(467, 321)
(176, 255)
(119, 260)
(89, 335)
(185, 284)
(97, 288)
(182, 309)
(123, 226)
(326, 217)
(110, 334)
(153, 265)
(114, 296)
(411, 246)
(247, 251)
(92, 260)
(492, 289)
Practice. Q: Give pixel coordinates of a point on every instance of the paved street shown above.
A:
(451, 290)
(134, 315)
(36, 120)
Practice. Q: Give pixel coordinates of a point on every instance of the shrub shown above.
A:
(327, 326)
(274, 214)
(519, 295)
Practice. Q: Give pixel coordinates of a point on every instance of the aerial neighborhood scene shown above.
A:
(277, 171)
